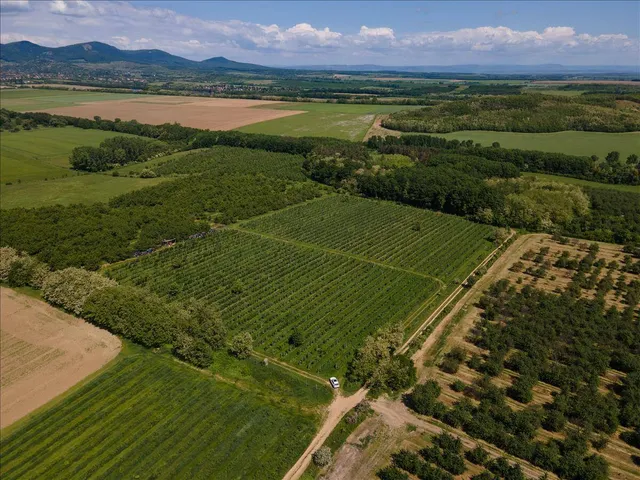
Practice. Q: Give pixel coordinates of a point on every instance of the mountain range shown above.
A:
(98, 52)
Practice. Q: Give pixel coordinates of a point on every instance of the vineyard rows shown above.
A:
(221, 160)
(443, 246)
(273, 288)
(150, 417)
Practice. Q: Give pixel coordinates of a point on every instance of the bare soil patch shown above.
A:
(43, 353)
(197, 112)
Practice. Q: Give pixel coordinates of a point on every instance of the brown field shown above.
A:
(197, 112)
(586, 82)
(44, 352)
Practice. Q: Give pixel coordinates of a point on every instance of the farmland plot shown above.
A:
(151, 417)
(442, 246)
(272, 288)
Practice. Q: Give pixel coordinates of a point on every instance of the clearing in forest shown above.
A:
(149, 416)
(44, 352)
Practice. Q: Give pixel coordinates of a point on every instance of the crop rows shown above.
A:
(222, 160)
(273, 288)
(442, 246)
(149, 417)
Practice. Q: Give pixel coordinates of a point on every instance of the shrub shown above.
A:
(147, 173)
(423, 398)
(477, 456)
(322, 456)
(241, 345)
(458, 386)
(70, 288)
(392, 473)
(193, 350)
(8, 256)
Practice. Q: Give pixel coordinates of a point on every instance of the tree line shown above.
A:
(116, 151)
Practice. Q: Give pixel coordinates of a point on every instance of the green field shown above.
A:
(221, 160)
(443, 246)
(90, 188)
(571, 143)
(44, 152)
(346, 121)
(335, 269)
(147, 416)
(33, 99)
(272, 288)
(584, 183)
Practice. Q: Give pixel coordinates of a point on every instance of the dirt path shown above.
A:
(337, 409)
(43, 353)
(447, 301)
(378, 129)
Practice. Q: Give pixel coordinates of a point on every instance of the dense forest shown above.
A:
(522, 113)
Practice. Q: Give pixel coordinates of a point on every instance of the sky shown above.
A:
(342, 33)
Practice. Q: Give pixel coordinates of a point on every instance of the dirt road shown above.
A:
(337, 409)
(43, 353)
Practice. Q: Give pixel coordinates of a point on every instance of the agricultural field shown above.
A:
(221, 160)
(274, 288)
(533, 262)
(428, 243)
(43, 152)
(44, 352)
(87, 189)
(148, 416)
(25, 100)
(570, 143)
(197, 112)
(349, 122)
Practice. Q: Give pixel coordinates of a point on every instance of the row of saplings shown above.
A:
(446, 459)
(192, 328)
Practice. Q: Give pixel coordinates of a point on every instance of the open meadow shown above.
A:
(346, 121)
(44, 352)
(148, 416)
(43, 152)
(85, 188)
(570, 143)
(30, 99)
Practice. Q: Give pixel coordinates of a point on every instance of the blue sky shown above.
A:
(386, 33)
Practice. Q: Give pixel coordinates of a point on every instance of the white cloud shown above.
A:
(128, 25)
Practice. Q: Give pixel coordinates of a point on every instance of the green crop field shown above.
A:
(221, 160)
(44, 152)
(90, 188)
(334, 269)
(571, 143)
(584, 183)
(348, 126)
(271, 288)
(34, 99)
(148, 416)
(443, 246)
(345, 121)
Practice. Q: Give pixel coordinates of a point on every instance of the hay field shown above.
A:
(44, 352)
(197, 112)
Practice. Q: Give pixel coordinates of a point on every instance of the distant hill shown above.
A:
(97, 52)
